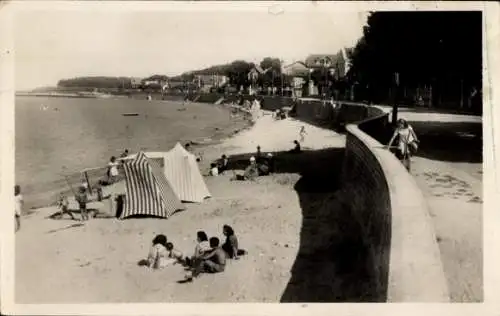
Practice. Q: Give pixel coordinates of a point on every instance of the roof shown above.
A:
(339, 61)
(296, 69)
(319, 60)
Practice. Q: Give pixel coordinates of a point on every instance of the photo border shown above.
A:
(491, 178)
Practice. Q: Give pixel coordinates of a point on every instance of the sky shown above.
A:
(52, 45)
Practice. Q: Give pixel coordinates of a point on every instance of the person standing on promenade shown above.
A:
(19, 202)
(407, 142)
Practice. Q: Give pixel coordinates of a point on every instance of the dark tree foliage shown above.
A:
(272, 77)
(237, 72)
(438, 49)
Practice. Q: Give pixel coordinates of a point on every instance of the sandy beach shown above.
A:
(98, 262)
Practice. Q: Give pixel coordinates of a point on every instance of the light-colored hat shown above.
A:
(252, 159)
(269, 155)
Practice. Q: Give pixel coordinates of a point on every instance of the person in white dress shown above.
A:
(407, 141)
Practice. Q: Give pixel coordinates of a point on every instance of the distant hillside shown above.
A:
(98, 82)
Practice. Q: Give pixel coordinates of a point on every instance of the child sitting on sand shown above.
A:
(214, 171)
(201, 248)
(158, 254)
(63, 204)
(175, 254)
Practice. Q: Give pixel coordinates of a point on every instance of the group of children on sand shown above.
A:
(208, 256)
(220, 166)
(259, 165)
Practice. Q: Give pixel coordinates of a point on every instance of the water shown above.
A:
(60, 136)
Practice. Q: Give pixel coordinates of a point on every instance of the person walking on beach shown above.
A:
(19, 203)
(82, 199)
(302, 133)
(407, 142)
(63, 204)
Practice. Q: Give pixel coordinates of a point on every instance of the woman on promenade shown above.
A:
(407, 142)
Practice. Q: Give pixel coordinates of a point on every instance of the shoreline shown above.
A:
(42, 194)
(270, 208)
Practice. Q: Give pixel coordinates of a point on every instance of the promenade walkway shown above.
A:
(448, 169)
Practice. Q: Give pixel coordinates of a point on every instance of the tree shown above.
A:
(439, 48)
(272, 76)
(237, 72)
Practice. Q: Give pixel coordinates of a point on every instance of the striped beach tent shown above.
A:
(147, 191)
(183, 173)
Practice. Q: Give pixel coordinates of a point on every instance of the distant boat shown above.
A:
(130, 114)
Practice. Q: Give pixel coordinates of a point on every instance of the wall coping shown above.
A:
(416, 271)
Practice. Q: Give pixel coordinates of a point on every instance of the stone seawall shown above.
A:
(393, 215)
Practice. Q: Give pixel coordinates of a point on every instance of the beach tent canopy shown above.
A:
(147, 191)
(182, 171)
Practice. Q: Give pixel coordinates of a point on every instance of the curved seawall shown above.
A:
(384, 201)
(393, 215)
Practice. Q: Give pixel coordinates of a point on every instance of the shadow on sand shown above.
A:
(332, 264)
(450, 141)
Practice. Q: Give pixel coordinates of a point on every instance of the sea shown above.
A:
(57, 137)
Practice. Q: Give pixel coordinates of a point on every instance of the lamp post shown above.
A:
(395, 98)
